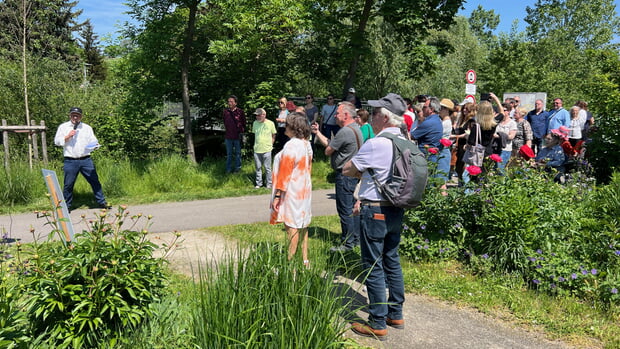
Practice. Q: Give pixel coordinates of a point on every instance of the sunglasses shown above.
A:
(308, 97)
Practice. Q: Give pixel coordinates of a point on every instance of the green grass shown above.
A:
(140, 182)
(505, 297)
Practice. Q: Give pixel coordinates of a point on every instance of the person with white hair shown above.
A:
(381, 222)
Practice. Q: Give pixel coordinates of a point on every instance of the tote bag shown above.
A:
(474, 155)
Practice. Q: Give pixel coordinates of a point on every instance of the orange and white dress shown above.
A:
(291, 174)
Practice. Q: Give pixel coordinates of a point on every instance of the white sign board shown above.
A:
(470, 89)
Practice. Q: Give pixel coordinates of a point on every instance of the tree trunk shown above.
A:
(185, 63)
(357, 43)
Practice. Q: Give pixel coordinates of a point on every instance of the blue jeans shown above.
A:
(350, 225)
(505, 155)
(71, 168)
(443, 164)
(381, 229)
(260, 160)
(233, 148)
(329, 129)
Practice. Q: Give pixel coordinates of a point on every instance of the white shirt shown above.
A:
(81, 144)
(375, 153)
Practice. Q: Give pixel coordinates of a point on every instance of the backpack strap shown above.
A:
(372, 173)
(357, 139)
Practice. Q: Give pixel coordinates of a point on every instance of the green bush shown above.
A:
(561, 239)
(87, 291)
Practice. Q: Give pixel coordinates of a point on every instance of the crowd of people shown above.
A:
(445, 130)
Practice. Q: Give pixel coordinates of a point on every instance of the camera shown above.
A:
(485, 96)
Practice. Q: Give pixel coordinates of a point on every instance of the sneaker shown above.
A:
(105, 206)
(257, 187)
(367, 331)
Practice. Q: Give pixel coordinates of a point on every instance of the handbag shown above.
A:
(474, 154)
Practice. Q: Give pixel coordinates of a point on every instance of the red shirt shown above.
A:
(234, 123)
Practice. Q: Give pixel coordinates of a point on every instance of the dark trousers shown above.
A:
(87, 168)
(350, 225)
(380, 238)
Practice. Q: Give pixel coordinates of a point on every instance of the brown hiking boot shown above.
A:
(367, 331)
(400, 324)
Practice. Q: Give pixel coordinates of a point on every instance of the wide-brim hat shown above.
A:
(447, 103)
(526, 152)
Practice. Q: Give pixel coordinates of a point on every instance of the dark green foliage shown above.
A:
(562, 239)
(88, 291)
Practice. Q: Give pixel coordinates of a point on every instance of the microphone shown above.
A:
(75, 126)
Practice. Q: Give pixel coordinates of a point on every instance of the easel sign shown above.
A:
(59, 204)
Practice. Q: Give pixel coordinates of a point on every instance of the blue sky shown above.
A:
(107, 15)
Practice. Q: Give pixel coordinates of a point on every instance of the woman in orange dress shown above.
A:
(292, 184)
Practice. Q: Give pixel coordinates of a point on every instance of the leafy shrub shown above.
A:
(89, 290)
(12, 322)
(562, 239)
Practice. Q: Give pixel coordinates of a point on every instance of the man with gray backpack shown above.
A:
(393, 175)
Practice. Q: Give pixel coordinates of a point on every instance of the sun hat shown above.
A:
(526, 152)
(447, 103)
(392, 102)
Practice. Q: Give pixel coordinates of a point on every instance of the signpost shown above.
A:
(470, 87)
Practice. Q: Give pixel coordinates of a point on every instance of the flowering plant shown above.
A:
(433, 150)
(473, 170)
(445, 142)
(495, 158)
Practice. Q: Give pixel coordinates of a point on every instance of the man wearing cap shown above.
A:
(78, 141)
(429, 132)
(538, 120)
(353, 98)
(264, 136)
(234, 124)
(341, 149)
(558, 116)
(380, 221)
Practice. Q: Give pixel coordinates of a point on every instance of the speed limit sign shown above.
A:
(470, 77)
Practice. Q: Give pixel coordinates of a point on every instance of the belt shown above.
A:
(81, 158)
(376, 203)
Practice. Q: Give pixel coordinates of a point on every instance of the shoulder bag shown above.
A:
(474, 154)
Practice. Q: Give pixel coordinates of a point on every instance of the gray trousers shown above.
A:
(263, 160)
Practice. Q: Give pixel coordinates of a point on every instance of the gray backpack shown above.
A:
(405, 186)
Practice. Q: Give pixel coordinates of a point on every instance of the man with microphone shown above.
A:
(78, 141)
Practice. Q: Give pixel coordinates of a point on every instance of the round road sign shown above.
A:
(472, 97)
(470, 77)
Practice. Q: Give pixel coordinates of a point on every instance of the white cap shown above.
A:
(467, 100)
(352, 90)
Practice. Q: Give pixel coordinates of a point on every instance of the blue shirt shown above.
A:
(558, 118)
(538, 122)
(429, 133)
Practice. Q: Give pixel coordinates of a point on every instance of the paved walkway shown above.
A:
(429, 323)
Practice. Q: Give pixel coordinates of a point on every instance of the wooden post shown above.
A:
(5, 141)
(35, 146)
(43, 143)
